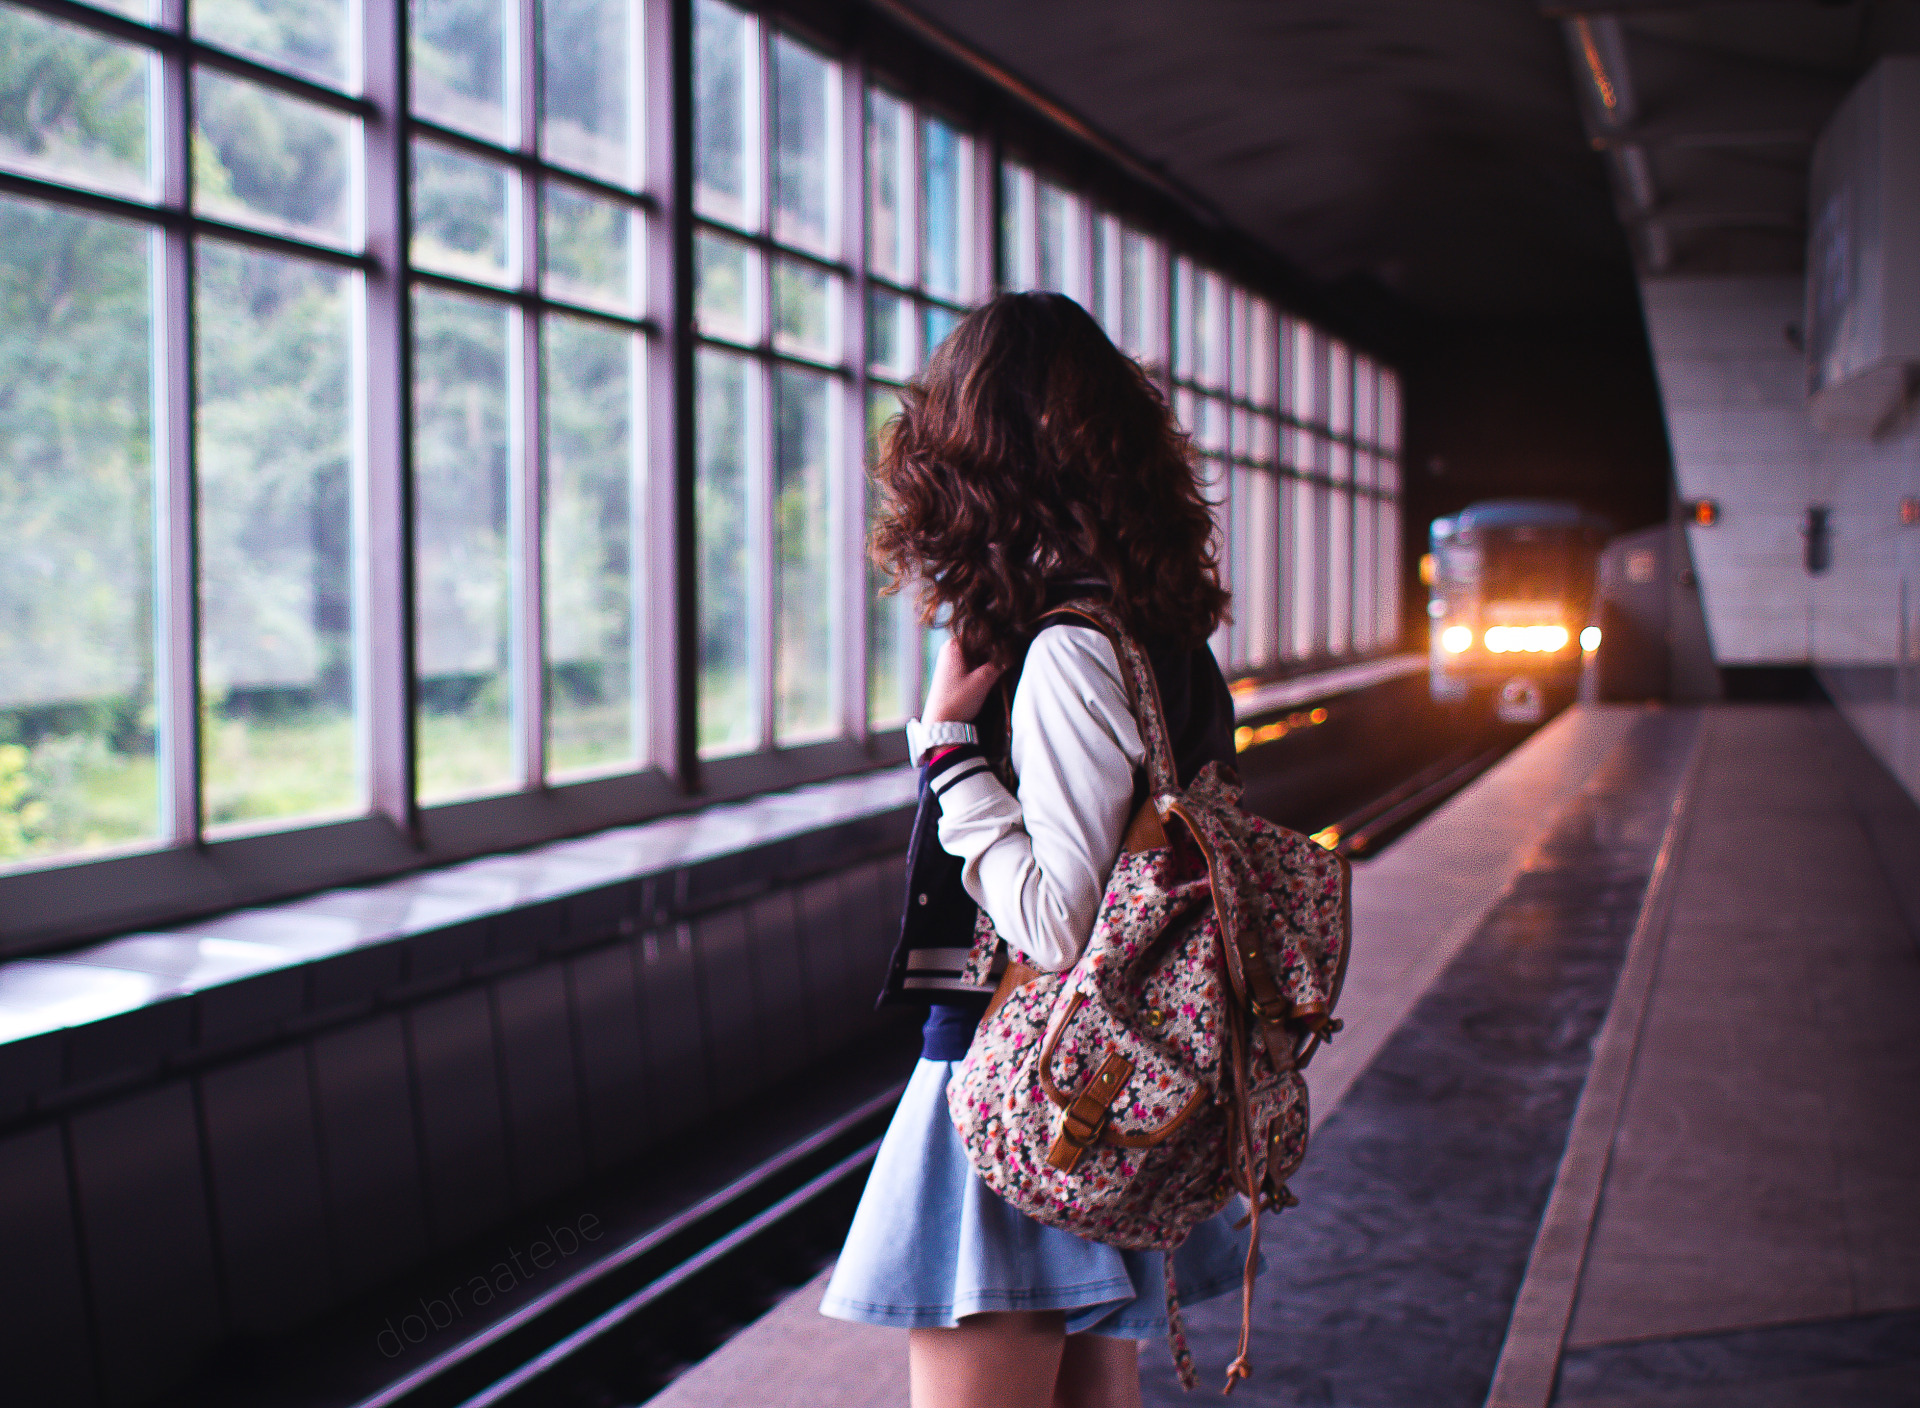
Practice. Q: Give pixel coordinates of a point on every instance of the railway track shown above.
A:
(619, 1332)
(1371, 826)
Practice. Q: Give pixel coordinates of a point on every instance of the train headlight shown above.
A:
(1455, 639)
(1534, 640)
(1590, 639)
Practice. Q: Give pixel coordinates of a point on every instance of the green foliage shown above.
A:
(21, 813)
(268, 158)
(71, 102)
(459, 213)
(276, 546)
(76, 654)
(307, 36)
(588, 515)
(456, 58)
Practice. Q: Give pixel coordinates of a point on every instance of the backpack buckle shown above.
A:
(1084, 1119)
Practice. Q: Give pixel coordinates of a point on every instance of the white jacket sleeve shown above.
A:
(1038, 863)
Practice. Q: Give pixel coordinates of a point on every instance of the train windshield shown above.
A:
(1535, 564)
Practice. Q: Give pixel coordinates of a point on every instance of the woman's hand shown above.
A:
(957, 691)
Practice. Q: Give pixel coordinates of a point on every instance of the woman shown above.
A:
(1034, 464)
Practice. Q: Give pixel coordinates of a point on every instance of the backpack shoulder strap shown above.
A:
(1143, 691)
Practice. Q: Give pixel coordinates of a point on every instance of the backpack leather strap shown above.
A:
(1085, 1118)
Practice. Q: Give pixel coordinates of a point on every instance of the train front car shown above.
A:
(1511, 598)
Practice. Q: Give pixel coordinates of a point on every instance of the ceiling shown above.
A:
(1456, 152)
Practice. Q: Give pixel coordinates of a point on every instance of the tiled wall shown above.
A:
(1734, 387)
(195, 1187)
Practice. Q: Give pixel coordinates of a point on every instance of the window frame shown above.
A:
(184, 872)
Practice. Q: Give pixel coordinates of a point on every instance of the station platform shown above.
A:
(1623, 1117)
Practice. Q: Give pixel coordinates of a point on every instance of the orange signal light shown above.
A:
(1704, 512)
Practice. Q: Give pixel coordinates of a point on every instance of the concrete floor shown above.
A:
(1754, 1241)
(1767, 1161)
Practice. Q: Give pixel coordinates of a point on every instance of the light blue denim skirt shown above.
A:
(931, 1243)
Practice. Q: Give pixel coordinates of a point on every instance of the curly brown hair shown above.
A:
(1034, 451)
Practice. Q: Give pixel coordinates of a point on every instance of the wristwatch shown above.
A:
(923, 739)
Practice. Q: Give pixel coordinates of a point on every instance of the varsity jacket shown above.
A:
(1077, 756)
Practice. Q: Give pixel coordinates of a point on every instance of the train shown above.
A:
(1511, 586)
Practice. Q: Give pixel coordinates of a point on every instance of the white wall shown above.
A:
(1734, 388)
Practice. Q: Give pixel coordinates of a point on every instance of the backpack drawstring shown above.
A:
(1177, 1331)
(1241, 1114)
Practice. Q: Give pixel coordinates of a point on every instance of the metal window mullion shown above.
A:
(526, 444)
(762, 545)
(673, 556)
(176, 587)
(849, 502)
(385, 644)
(762, 588)
(526, 650)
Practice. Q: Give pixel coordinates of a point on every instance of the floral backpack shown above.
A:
(1126, 1099)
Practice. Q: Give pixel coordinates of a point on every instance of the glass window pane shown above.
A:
(1210, 331)
(1339, 570)
(803, 582)
(1266, 441)
(1386, 527)
(1364, 576)
(1263, 570)
(276, 538)
(887, 616)
(725, 183)
(1233, 564)
(586, 90)
(588, 526)
(1310, 569)
(307, 37)
(1389, 411)
(1058, 250)
(1134, 323)
(261, 158)
(888, 232)
(805, 303)
(461, 569)
(1261, 351)
(944, 209)
(804, 90)
(1017, 220)
(887, 334)
(726, 287)
(1312, 375)
(76, 492)
(586, 249)
(1365, 401)
(728, 707)
(936, 323)
(1184, 362)
(457, 54)
(1339, 389)
(460, 214)
(73, 107)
